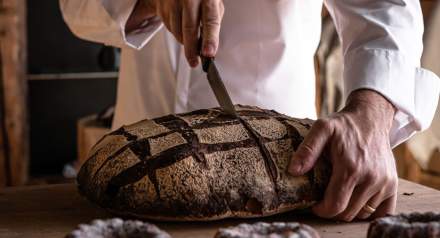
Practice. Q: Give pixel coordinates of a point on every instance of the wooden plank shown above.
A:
(407, 167)
(3, 172)
(427, 7)
(14, 90)
(434, 162)
(73, 76)
(88, 133)
(52, 211)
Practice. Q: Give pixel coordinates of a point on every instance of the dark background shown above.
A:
(56, 105)
(52, 48)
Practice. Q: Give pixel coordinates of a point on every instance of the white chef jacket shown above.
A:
(265, 57)
(423, 145)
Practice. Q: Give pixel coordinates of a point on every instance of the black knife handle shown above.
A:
(205, 63)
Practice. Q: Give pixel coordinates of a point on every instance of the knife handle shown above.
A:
(206, 61)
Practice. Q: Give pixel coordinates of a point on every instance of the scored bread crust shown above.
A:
(202, 165)
(272, 230)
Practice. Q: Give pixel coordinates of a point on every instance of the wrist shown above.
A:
(142, 12)
(371, 105)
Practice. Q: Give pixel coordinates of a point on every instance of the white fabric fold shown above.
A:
(104, 21)
(382, 45)
(266, 57)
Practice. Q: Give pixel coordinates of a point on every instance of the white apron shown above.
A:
(263, 63)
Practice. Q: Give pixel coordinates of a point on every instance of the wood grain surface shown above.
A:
(14, 147)
(52, 211)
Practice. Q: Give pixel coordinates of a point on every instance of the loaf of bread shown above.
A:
(411, 225)
(202, 165)
(271, 230)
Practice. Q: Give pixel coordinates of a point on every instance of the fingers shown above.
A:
(183, 19)
(384, 201)
(363, 202)
(176, 22)
(190, 31)
(372, 196)
(311, 148)
(363, 179)
(212, 14)
(373, 202)
(370, 191)
(362, 194)
(383, 206)
(150, 7)
(381, 198)
(337, 196)
(387, 207)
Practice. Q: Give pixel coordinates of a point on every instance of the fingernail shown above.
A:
(193, 62)
(209, 50)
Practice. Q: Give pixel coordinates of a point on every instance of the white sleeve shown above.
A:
(382, 47)
(104, 21)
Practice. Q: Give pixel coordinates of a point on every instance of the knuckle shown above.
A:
(211, 5)
(189, 34)
(389, 186)
(337, 208)
(212, 12)
(393, 184)
(190, 26)
(352, 169)
(372, 177)
(190, 54)
(305, 151)
(323, 124)
(389, 180)
(189, 29)
(211, 24)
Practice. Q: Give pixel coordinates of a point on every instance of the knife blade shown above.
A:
(217, 86)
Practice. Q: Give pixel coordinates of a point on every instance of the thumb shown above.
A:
(311, 148)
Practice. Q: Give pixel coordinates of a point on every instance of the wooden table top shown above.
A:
(54, 210)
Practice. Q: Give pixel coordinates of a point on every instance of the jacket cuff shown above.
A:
(138, 38)
(120, 11)
(412, 90)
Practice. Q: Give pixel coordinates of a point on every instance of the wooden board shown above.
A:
(89, 131)
(13, 91)
(52, 211)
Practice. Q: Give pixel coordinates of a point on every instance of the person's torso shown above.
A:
(265, 58)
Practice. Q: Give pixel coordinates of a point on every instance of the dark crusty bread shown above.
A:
(272, 230)
(412, 225)
(117, 228)
(202, 165)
